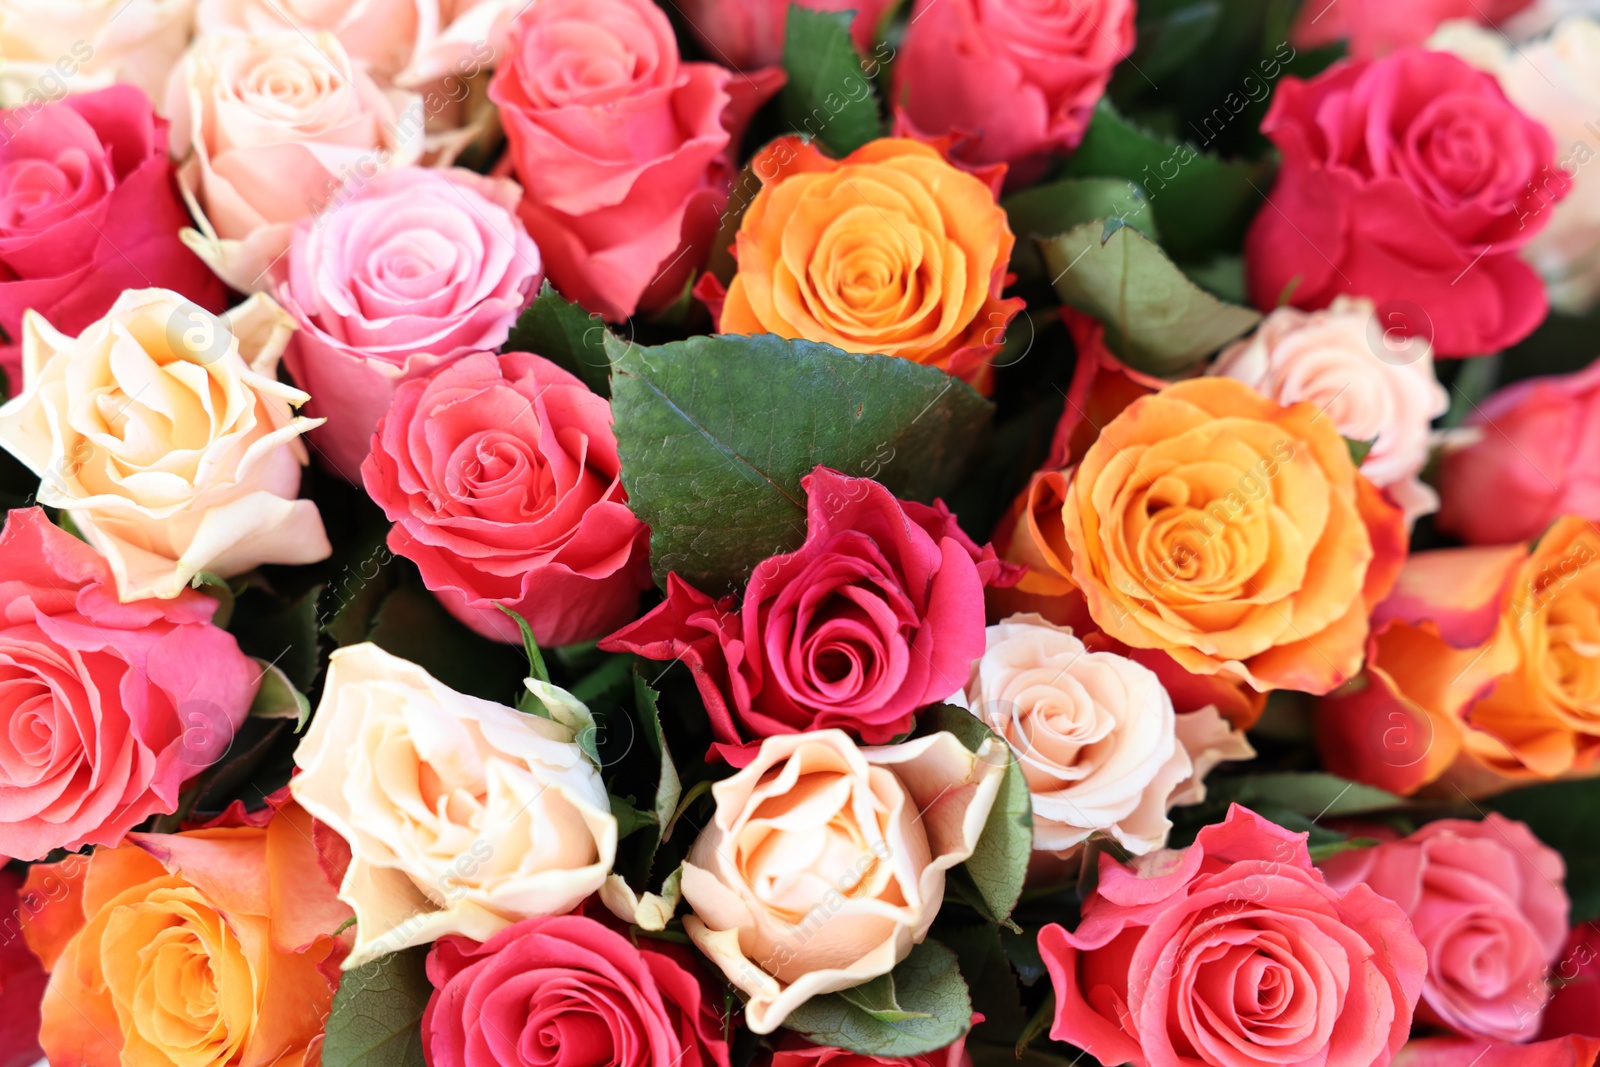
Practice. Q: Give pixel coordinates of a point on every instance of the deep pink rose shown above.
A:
(108, 707)
(1536, 458)
(88, 208)
(1377, 27)
(878, 614)
(625, 155)
(795, 1051)
(22, 981)
(1021, 76)
(1468, 1052)
(568, 991)
(1574, 1006)
(1413, 181)
(417, 269)
(1234, 952)
(500, 474)
(1486, 901)
(746, 34)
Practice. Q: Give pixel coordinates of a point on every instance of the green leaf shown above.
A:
(630, 818)
(277, 698)
(528, 701)
(715, 434)
(669, 788)
(1156, 319)
(988, 974)
(1173, 38)
(1563, 815)
(827, 96)
(1048, 210)
(376, 1018)
(1359, 449)
(606, 682)
(219, 590)
(411, 624)
(877, 999)
(1315, 794)
(565, 334)
(280, 631)
(930, 991)
(1222, 277)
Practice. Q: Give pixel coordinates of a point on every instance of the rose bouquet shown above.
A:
(799, 533)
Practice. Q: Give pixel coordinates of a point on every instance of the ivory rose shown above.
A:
(462, 815)
(415, 270)
(269, 129)
(1376, 386)
(54, 47)
(1096, 735)
(825, 863)
(165, 433)
(1231, 953)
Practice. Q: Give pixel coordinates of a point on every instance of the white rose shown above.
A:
(463, 816)
(49, 48)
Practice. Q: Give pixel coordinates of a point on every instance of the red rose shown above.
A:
(1376, 27)
(625, 155)
(22, 981)
(1411, 180)
(500, 474)
(106, 708)
(1234, 952)
(878, 614)
(795, 1051)
(1021, 77)
(88, 208)
(576, 991)
(1574, 1008)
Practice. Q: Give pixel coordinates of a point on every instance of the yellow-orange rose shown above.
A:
(890, 250)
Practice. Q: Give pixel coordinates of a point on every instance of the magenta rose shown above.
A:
(795, 1051)
(625, 154)
(568, 990)
(1574, 1007)
(878, 614)
(500, 474)
(746, 34)
(88, 208)
(1234, 952)
(1413, 181)
(1486, 901)
(418, 268)
(1021, 77)
(1574, 1051)
(22, 981)
(108, 707)
(1376, 27)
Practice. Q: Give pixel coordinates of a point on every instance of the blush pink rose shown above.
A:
(1376, 27)
(417, 269)
(1486, 901)
(1531, 455)
(1234, 952)
(88, 208)
(625, 155)
(878, 614)
(746, 34)
(108, 707)
(1021, 77)
(500, 474)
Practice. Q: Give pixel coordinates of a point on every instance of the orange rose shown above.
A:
(203, 948)
(889, 250)
(1481, 670)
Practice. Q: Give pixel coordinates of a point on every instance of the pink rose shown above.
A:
(574, 989)
(1021, 77)
(108, 707)
(626, 155)
(1234, 952)
(1486, 902)
(746, 34)
(1376, 27)
(88, 208)
(1531, 457)
(878, 614)
(501, 476)
(1467, 1052)
(1574, 1006)
(419, 268)
(22, 981)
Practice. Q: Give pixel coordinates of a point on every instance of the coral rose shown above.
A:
(878, 614)
(625, 154)
(747, 34)
(1467, 1052)
(890, 250)
(1486, 901)
(109, 707)
(501, 476)
(1234, 952)
(825, 863)
(1376, 27)
(1413, 181)
(210, 947)
(165, 433)
(574, 984)
(53, 47)
(498, 816)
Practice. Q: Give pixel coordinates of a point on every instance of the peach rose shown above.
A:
(1096, 735)
(1375, 385)
(824, 863)
(462, 815)
(270, 128)
(55, 47)
(202, 948)
(890, 250)
(165, 433)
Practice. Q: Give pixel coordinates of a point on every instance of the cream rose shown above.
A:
(50, 48)
(1096, 735)
(1375, 385)
(165, 433)
(463, 816)
(274, 128)
(825, 862)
